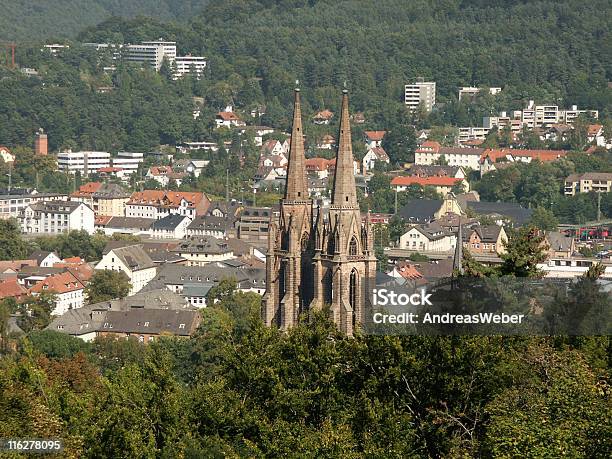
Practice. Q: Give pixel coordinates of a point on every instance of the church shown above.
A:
(319, 257)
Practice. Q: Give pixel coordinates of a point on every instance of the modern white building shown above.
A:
(128, 161)
(14, 202)
(186, 64)
(57, 217)
(85, 162)
(421, 93)
(151, 53)
(471, 91)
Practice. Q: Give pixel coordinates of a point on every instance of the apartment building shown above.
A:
(159, 203)
(470, 92)
(186, 64)
(430, 152)
(57, 217)
(128, 161)
(151, 53)
(85, 162)
(14, 201)
(104, 198)
(132, 260)
(68, 291)
(600, 182)
(420, 93)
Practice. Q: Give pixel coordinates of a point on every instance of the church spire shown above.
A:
(344, 179)
(296, 188)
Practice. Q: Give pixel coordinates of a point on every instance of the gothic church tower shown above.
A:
(289, 257)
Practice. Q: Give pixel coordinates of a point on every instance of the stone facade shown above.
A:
(327, 261)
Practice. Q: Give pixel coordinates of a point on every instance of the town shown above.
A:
(291, 228)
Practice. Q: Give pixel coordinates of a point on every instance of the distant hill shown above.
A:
(36, 19)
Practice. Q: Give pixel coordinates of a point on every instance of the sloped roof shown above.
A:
(11, 288)
(169, 222)
(380, 153)
(374, 136)
(420, 210)
(134, 257)
(324, 115)
(203, 244)
(151, 321)
(169, 198)
(510, 210)
(59, 283)
(425, 181)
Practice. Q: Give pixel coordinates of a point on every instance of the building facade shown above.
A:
(420, 94)
(54, 217)
(327, 261)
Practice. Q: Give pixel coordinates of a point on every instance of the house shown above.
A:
(559, 245)
(332, 166)
(88, 322)
(171, 226)
(11, 288)
(5, 155)
(124, 225)
(323, 117)
(317, 167)
(44, 259)
(428, 238)
(431, 152)
(199, 250)
(442, 185)
(56, 217)
(596, 135)
(225, 209)
(228, 119)
(424, 211)
(374, 155)
(159, 251)
(68, 291)
(210, 225)
(600, 182)
(163, 175)
(328, 142)
(373, 139)
(159, 203)
(491, 158)
(275, 147)
(104, 198)
(358, 118)
(487, 239)
(148, 325)
(437, 171)
(276, 161)
(131, 260)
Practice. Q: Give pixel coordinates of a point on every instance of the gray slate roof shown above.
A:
(203, 244)
(510, 210)
(169, 222)
(151, 321)
(420, 210)
(134, 257)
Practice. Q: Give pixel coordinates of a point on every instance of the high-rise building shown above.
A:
(420, 93)
(327, 261)
(85, 162)
(150, 53)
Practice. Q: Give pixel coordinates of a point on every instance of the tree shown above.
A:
(400, 143)
(544, 219)
(524, 251)
(106, 285)
(12, 246)
(35, 311)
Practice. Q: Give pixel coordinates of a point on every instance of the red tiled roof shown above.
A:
(425, 181)
(324, 115)
(375, 135)
(102, 220)
(11, 288)
(408, 271)
(73, 260)
(110, 170)
(15, 265)
(380, 153)
(593, 129)
(162, 197)
(317, 164)
(542, 155)
(58, 283)
(228, 116)
(88, 189)
(160, 170)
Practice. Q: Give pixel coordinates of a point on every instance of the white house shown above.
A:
(133, 261)
(57, 217)
(6, 155)
(173, 226)
(374, 155)
(45, 259)
(200, 250)
(68, 291)
(431, 238)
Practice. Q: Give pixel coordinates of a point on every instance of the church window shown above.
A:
(353, 246)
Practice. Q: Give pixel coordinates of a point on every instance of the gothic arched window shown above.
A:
(304, 242)
(353, 246)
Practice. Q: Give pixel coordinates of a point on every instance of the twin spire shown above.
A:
(344, 179)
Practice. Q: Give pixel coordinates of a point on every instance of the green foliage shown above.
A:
(35, 311)
(56, 345)
(544, 219)
(107, 285)
(12, 246)
(524, 250)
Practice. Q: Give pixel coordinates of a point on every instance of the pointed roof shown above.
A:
(297, 186)
(344, 179)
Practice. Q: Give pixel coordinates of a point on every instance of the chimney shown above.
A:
(40, 144)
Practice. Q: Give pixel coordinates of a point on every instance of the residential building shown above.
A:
(164, 174)
(431, 152)
(373, 139)
(199, 250)
(56, 217)
(84, 162)
(184, 65)
(45, 259)
(471, 92)
(131, 260)
(493, 159)
(104, 198)
(5, 155)
(150, 53)
(470, 134)
(559, 245)
(600, 182)
(424, 211)
(489, 239)
(137, 226)
(128, 161)
(210, 225)
(228, 119)
(420, 94)
(327, 142)
(323, 117)
(89, 322)
(317, 167)
(502, 213)
(172, 226)
(442, 185)
(11, 288)
(374, 155)
(159, 203)
(68, 291)
(438, 171)
(428, 238)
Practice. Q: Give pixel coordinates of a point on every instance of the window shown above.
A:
(353, 246)
(181, 325)
(146, 324)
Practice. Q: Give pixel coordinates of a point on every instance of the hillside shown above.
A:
(33, 19)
